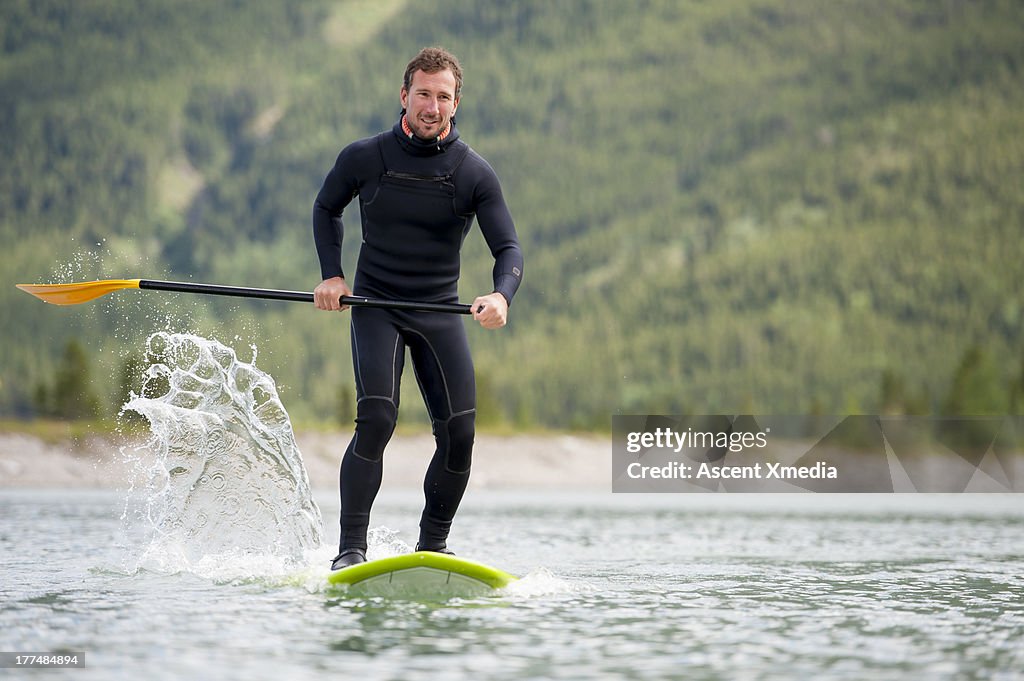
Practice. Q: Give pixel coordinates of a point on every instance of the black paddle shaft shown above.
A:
(299, 296)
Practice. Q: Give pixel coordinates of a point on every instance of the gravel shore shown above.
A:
(516, 461)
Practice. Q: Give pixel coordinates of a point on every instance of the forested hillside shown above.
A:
(760, 206)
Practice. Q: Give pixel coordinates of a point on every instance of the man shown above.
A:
(419, 187)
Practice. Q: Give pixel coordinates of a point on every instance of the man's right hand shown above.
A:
(327, 295)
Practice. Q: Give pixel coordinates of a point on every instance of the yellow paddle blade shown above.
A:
(73, 294)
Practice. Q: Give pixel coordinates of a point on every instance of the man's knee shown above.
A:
(375, 422)
(461, 432)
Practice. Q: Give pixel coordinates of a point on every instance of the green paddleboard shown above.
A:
(421, 574)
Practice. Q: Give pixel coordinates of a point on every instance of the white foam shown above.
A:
(220, 481)
(382, 542)
(542, 582)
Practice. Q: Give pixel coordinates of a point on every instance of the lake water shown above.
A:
(615, 586)
(214, 564)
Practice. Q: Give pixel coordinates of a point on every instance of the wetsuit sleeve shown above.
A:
(500, 233)
(340, 186)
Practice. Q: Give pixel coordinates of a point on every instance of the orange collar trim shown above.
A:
(440, 138)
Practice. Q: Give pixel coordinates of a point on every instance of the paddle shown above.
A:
(73, 294)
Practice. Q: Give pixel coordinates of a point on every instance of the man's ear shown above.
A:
(403, 96)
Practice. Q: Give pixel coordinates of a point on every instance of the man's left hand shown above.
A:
(490, 310)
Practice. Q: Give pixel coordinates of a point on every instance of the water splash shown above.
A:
(383, 542)
(543, 582)
(221, 478)
(84, 263)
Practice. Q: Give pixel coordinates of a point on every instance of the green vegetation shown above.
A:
(740, 206)
(72, 394)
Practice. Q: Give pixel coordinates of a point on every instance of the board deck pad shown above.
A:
(421, 574)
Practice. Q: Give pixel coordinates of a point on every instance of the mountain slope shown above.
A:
(729, 206)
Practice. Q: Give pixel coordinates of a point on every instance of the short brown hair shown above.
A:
(434, 60)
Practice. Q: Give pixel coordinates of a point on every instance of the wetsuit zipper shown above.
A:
(420, 178)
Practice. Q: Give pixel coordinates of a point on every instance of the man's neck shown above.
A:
(408, 131)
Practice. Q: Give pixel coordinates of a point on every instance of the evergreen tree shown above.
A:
(73, 395)
(893, 393)
(346, 411)
(976, 389)
(1017, 390)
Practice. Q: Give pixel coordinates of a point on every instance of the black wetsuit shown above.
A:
(417, 200)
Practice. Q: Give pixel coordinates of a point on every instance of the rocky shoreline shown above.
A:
(516, 461)
(521, 461)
